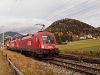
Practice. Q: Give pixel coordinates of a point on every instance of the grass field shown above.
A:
(89, 47)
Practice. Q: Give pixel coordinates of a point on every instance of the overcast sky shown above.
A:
(22, 15)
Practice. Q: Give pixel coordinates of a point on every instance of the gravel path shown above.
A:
(4, 67)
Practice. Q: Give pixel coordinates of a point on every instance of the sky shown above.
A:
(22, 15)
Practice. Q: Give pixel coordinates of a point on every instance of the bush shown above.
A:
(59, 41)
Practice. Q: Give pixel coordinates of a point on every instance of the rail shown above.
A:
(78, 67)
(80, 58)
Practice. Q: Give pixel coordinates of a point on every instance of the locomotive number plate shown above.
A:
(50, 47)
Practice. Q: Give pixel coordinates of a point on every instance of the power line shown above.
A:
(68, 9)
(57, 9)
(85, 9)
(17, 3)
(92, 16)
(11, 10)
(87, 14)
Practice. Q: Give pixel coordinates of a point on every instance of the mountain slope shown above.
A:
(98, 28)
(66, 28)
(9, 34)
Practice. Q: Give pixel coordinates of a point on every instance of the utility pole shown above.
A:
(3, 36)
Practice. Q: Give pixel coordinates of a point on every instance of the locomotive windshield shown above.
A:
(48, 39)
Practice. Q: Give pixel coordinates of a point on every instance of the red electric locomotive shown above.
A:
(39, 44)
(13, 45)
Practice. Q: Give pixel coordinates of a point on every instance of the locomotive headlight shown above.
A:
(42, 46)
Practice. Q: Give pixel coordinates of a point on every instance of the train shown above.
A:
(40, 44)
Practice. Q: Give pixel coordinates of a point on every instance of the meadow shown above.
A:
(89, 47)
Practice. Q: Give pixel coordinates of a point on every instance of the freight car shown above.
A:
(40, 44)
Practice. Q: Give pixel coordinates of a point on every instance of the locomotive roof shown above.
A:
(44, 33)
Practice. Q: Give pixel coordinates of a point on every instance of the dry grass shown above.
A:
(27, 65)
(5, 69)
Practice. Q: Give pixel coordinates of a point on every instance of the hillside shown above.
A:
(65, 29)
(98, 28)
(9, 34)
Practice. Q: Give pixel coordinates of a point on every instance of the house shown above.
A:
(82, 38)
(88, 36)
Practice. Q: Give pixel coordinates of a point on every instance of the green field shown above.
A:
(89, 47)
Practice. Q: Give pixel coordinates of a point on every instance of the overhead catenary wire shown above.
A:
(12, 3)
(57, 9)
(85, 9)
(15, 7)
(68, 9)
(92, 7)
(51, 12)
(88, 13)
(84, 13)
(73, 8)
(91, 14)
(11, 10)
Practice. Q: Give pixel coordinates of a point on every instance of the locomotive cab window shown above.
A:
(48, 39)
(36, 38)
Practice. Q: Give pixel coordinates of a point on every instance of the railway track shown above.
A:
(80, 58)
(78, 67)
(85, 65)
